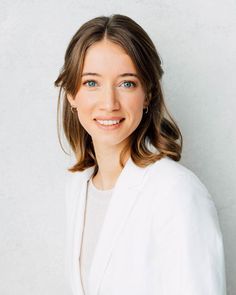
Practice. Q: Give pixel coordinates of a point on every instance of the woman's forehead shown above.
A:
(107, 56)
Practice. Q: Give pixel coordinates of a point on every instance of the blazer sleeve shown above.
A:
(67, 212)
(189, 253)
(69, 207)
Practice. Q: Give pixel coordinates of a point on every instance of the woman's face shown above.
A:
(111, 99)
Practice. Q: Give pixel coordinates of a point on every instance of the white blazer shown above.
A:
(160, 236)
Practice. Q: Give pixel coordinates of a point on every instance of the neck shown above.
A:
(109, 167)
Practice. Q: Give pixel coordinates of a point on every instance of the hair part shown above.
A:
(156, 128)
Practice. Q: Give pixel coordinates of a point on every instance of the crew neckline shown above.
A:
(98, 191)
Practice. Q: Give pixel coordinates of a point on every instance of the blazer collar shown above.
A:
(131, 174)
(124, 196)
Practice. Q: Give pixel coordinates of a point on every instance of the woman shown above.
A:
(138, 222)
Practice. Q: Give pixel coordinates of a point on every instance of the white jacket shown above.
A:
(161, 234)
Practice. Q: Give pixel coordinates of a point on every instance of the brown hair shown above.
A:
(157, 127)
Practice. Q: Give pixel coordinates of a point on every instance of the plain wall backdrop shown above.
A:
(197, 44)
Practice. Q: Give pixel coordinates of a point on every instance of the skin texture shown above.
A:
(109, 95)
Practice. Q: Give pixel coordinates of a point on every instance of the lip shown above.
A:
(108, 118)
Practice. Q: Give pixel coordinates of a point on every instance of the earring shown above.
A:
(72, 109)
(146, 98)
(146, 110)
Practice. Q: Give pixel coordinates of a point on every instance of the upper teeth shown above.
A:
(108, 122)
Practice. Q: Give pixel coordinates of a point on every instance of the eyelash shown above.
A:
(134, 84)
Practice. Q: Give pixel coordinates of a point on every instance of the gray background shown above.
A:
(196, 41)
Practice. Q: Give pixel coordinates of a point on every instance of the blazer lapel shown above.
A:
(123, 199)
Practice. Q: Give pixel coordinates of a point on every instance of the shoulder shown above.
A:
(170, 169)
(174, 184)
(73, 185)
(72, 179)
(171, 173)
(180, 197)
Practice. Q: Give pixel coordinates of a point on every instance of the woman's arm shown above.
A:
(189, 253)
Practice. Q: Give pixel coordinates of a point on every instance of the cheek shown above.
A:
(84, 105)
(84, 110)
(136, 106)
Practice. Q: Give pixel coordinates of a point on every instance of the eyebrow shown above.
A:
(121, 75)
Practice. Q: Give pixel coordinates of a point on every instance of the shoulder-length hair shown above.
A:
(157, 128)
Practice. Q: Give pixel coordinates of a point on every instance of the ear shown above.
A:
(147, 99)
(70, 99)
(145, 104)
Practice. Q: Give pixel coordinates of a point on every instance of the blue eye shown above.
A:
(129, 84)
(90, 83)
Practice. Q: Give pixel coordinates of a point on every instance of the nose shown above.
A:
(109, 100)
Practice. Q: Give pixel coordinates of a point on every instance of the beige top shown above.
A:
(96, 205)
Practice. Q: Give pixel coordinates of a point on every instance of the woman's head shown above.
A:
(110, 46)
(110, 91)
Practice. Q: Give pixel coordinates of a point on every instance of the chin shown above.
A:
(108, 142)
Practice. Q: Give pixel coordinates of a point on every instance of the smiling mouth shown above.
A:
(109, 125)
(109, 122)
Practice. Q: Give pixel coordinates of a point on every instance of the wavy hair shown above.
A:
(156, 129)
